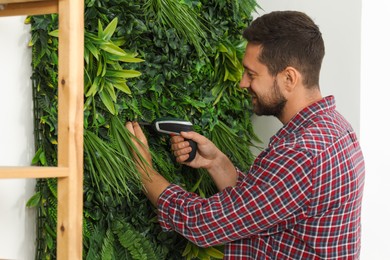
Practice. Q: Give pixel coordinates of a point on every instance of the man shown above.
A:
(301, 199)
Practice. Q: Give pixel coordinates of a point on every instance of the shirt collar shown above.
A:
(324, 105)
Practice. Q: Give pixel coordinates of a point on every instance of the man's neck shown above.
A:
(297, 102)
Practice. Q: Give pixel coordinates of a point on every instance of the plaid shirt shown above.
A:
(301, 199)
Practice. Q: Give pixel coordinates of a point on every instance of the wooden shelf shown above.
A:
(19, 1)
(32, 172)
(14, 8)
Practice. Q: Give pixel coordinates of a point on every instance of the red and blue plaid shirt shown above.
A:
(301, 199)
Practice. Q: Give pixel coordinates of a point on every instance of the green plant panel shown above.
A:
(143, 60)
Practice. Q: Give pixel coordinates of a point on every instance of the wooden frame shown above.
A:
(70, 120)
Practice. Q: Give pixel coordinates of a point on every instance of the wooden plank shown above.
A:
(29, 8)
(18, 1)
(70, 128)
(32, 172)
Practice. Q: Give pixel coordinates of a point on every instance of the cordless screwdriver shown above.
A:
(174, 126)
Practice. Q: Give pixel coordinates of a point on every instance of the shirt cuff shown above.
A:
(163, 205)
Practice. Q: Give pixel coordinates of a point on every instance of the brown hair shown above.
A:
(289, 38)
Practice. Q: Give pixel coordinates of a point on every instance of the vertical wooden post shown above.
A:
(70, 128)
(70, 119)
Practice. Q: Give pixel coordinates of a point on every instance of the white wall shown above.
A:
(17, 223)
(375, 124)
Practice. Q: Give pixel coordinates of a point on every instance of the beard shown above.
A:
(272, 106)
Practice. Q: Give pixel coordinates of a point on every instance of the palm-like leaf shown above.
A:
(176, 14)
(103, 72)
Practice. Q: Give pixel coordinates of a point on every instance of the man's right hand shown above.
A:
(208, 156)
(206, 153)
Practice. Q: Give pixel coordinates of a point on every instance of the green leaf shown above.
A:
(50, 231)
(187, 249)
(101, 68)
(34, 200)
(108, 247)
(214, 253)
(49, 242)
(35, 159)
(123, 73)
(222, 48)
(108, 86)
(94, 88)
(92, 48)
(54, 33)
(129, 58)
(110, 29)
(195, 103)
(100, 30)
(112, 48)
(107, 101)
(42, 158)
(119, 41)
(122, 86)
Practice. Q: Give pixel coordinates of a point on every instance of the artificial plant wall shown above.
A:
(143, 60)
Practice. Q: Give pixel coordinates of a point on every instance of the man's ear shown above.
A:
(290, 78)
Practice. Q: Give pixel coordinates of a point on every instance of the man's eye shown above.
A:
(249, 74)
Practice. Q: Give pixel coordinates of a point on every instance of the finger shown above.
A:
(182, 158)
(139, 133)
(180, 145)
(176, 139)
(177, 142)
(135, 139)
(140, 142)
(129, 126)
(137, 128)
(193, 136)
(182, 148)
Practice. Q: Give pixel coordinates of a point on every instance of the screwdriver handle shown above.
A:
(175, 126)
(194, 147)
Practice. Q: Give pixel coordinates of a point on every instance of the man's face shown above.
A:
(267, 97)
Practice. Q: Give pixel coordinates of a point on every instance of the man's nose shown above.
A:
(244, 83)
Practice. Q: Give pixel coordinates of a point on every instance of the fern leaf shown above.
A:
(138, 245)
(108, 246)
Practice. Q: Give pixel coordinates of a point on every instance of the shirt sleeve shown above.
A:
(240, 177)
(270, 198)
